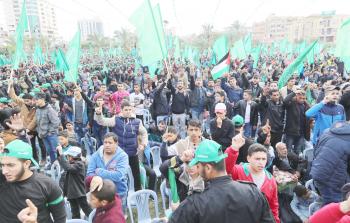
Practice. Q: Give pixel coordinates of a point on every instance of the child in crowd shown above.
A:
(302, 199)
(170, 137)
(107, 203)
(74, 184)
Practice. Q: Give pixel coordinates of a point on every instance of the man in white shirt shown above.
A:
(136, 99)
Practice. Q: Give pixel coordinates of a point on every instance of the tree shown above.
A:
(125, 38)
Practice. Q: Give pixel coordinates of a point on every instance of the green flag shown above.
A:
(177, 53)
(21, 27)
(151, 40)
(343, 47)
(73, 58)
(288, 72)
(247, 44)
(101, 53)
(256, 55)
(38, 55)
(160, 29)
(238, 50)
(61, 62)
(220, 47)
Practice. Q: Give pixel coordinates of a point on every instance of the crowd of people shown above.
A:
(234, 149)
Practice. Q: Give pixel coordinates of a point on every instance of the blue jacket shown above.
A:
(233, 94)
(115, 170)
(325, 115)
(331, 156)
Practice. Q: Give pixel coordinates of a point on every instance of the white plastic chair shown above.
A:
(146, 118)
(142, 205)
(131, 184)
(315, 206)
(54, 172)
(308, 154)
(76, 221)
(166, 194)
(89, 151)
(155, 151)
(68, 209)
(310, 185)
(92, 215)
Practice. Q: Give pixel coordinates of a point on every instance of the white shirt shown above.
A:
(247, 112)
(259, 179)
(137, 101)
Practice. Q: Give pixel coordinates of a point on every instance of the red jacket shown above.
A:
(241, 172)
(330, 214)
(111, 213)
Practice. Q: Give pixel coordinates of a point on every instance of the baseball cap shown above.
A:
(238, 120)
(220, 107)
(208, 151)
(331, 88)
(40, 95)
(19, 149)
(5, 100)
(74, 151)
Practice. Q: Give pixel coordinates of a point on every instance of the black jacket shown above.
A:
(295, 163)
(240, 108)
(194, 95)
(345, 101)
(256, 90)
(222, 135)
(274, 112)
(74, 184)
(293, 117)
(160, 105)
(224, 201)
(180, 102)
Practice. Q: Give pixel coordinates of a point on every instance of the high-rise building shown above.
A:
(40, 14)
(295, 29)
(90, 27)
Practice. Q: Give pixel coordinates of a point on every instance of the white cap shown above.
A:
(73, 151)
(220, 107)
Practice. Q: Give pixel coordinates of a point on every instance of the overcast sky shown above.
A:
(187, 16)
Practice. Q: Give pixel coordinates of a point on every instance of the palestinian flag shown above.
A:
(222, 67)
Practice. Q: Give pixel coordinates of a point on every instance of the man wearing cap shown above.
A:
(19, 182)
(297, 127)
(221, 128)
(238, 122)
(4, 103)
(223, 200)
(47, 123)
(326, 112)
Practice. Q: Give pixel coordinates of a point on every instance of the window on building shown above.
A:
(329, 30)
(329, 39)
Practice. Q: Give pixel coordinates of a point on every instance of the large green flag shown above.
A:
(61, 62)
(247, 44)
(288, 72)
(159, 25)
(151, 39)
(220, 47)
(238, 50)
(73, 58)
(38, 55)
(21, 27)
(343, 47)
(256, 55)
(177, 53)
